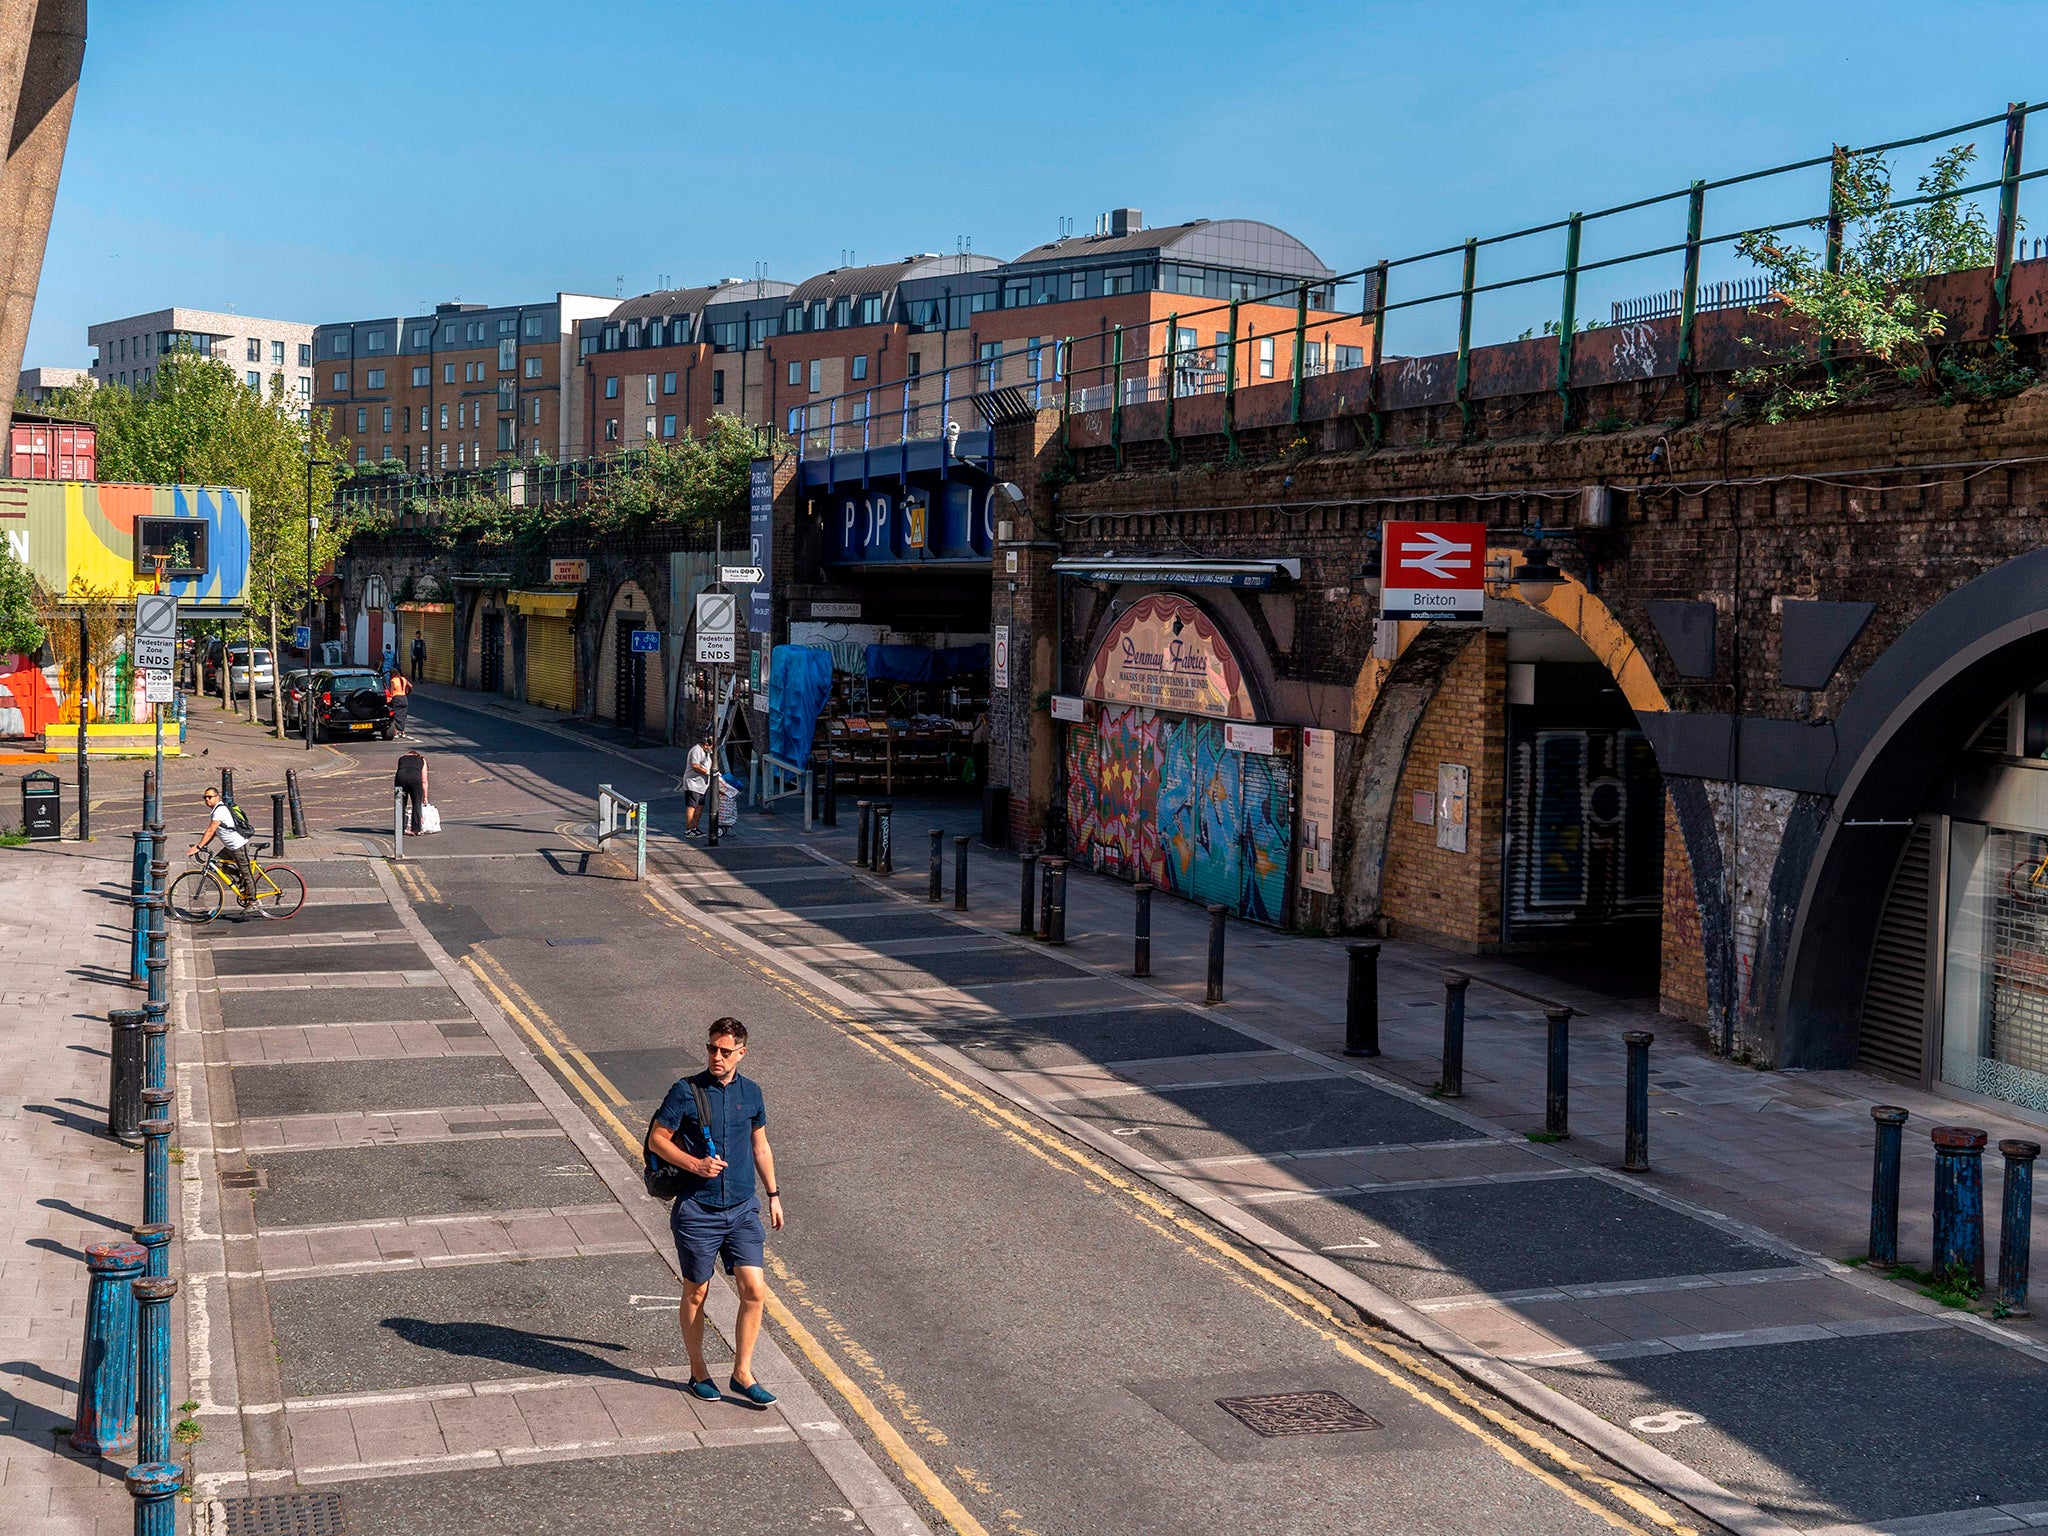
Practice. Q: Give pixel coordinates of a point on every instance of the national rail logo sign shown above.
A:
(1433, 571)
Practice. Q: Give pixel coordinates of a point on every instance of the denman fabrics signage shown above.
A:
(1164, 653)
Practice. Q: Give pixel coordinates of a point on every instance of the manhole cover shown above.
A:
(284, 1514)
(1298, 1413)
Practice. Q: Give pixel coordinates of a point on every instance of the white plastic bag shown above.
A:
(728, 803)
(430, 818)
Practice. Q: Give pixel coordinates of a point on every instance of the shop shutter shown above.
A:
(439, 628)
(550, 663)
(1894, 1035)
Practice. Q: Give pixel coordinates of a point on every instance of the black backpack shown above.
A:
(243, 824)
(664, 1180)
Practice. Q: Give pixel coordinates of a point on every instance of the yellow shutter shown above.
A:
(550, 663)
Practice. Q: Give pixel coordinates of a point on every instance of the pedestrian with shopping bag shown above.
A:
(411, 780)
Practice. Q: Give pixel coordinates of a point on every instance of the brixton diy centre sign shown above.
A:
(1433, 571)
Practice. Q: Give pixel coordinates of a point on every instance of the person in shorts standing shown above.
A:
(697, 776)
(411, 777)
(398, 694)
(714, 1126)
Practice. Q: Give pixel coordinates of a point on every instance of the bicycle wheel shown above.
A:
(194, 896)
(279, 892)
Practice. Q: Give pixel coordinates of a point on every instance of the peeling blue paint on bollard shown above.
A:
(138, 901)
(155, 1053)
(1635, 1150)
(2016, 1225)
(1884, 1183)
(105, 1422)
(1958, 1201)
(153, 1295)
(156, 1157)
(155, 1239)
(154, 1486)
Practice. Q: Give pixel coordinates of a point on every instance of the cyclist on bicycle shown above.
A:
(234, 845)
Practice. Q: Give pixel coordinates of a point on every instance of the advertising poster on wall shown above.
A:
(1164, 653)
(1318, 810)
(1453, 783)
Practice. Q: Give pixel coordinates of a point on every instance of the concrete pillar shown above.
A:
(1023, 744)
(38, 92)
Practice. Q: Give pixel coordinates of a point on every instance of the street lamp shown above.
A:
(312, 527)
(1537, 577)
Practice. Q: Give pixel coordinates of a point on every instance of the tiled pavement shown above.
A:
(1685, 1322)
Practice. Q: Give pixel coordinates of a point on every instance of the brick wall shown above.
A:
(1681, 971)
(1434, 893)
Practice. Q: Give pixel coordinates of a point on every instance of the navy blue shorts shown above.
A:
(703, 1237)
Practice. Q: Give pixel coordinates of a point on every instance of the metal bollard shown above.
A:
(1055, 915)
(1027, 917)
(155, 1056)
(138, 903)
(960, 873)
(885, 849)
(1361, 999)
(104, 1424)
(277, 826)
(1884, 1183)
(148, 796)
(1557, 1087)
(2016, 1225)
(1635, 1140)
(1452, 1084)
(124, 1074)
(1958, 1201)
(1045, 861)
(153, 1295)
(155, 1238)
(398, 824)
(863, 837)
(227, 785)
(831, 792)
(154, 1486)
(157, 1126)
(291, 791)
(1214, 993)
(1141, 946)
(936, 887)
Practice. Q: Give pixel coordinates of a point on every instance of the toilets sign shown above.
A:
(1433, 571)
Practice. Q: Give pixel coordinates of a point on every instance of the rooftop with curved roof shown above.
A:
(1247, 244)
(854, 281)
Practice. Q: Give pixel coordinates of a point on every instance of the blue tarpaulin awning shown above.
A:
(922, 664)
(799, 682)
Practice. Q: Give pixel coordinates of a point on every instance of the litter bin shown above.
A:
(42, 806)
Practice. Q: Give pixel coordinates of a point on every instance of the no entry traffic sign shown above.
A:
(1433, 571)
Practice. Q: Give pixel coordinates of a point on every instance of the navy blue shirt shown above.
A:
(736, 1110)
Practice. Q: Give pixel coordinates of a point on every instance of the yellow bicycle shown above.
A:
(199, 894)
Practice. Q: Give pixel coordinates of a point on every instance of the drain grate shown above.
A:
(245, 1178)
(285, 1514)
(1275, 1414)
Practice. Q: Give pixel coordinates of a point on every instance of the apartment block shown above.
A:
(130, 351)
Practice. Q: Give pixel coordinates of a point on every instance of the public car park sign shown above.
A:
(1433, 571)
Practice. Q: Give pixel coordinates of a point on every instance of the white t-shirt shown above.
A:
(229, 837)
(698, 779)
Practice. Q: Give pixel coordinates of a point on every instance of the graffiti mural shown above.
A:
(1159, 797)
(74, 534)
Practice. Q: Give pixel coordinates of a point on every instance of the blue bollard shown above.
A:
(2016, 1226)
(155, 1062)
(153, 1295)
(1884, 1183)
(154, 1486)
(1958, 1201)
(138, 902)
(155, 1240)
(1557, 1090)
(105, 1422)
(156, 1157)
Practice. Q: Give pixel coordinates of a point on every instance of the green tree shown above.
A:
(21, 629)
(196, 423)
(1849, 329)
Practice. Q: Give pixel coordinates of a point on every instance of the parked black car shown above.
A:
(347, 701)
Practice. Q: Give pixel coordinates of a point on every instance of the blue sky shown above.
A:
(333, 161)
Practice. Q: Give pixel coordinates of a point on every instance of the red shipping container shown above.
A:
(51, 450)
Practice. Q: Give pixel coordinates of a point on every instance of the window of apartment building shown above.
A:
(508, 326)
(796, 420)
(387, 452)
(405, 418)
(657, 333)
(611, 431)
(611, 338)
(375, 378)
(423, 455)
(668, 426)
(668, 382)
(474, 331)
(717, 386)
(1349, 357)
(792, 318)
(632, 333)
(817, 375)
(533, 324)
(462, 455)
(914, 365)
(444, 448)
(1116, 280)
(1312, 357)
(649, 433)
(422, 335)
(796, 374)
(255, 380)
(305, 354)
(650, 389)
(447, 340)
(277, 354)
(1265, 357)
(444, 416)
(533, 367)
(421, 377)
(255, 349)
(536, 410)
(1017, 293)
(842, 310)
(817, 320)
(505, 438)
(341, 344)
(476, 373)
(376, 341)
(991, 355)
(305, 386)
(871, 309)
(508, 356)
(362, 418)
(362, 455)
(860, 366)
(447, 373)
(611, 389)
(507, 395)
(387, 418)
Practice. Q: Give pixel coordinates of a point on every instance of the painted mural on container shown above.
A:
(77, 536)
(1159, 797)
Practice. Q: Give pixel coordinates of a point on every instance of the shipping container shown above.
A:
(45, 449)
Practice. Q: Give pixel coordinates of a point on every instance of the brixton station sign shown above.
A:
(1165, 653)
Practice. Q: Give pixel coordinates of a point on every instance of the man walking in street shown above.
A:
(714, 1126)
(697, 776)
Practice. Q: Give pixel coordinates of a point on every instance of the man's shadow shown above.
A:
(549, 1354)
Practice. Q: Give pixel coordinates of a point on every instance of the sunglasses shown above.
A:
(725, 1050)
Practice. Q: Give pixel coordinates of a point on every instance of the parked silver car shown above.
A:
(238, 670)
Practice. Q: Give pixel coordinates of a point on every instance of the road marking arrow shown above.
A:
(1439, 556)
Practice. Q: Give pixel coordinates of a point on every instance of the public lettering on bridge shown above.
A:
(1165, 653)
